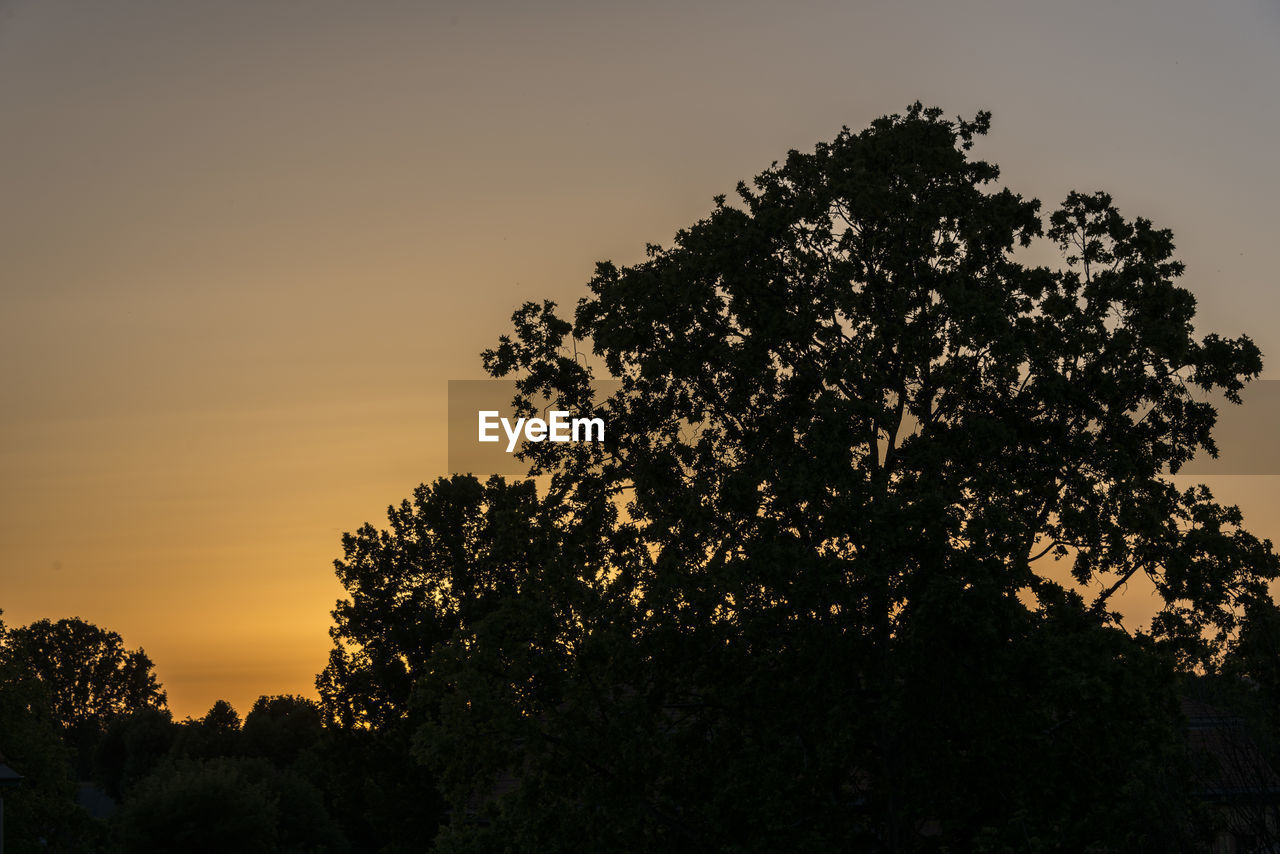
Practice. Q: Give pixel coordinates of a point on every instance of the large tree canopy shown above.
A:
(855, 361)
(843, 576)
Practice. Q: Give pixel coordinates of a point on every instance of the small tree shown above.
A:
(90, 674)
(281, 728)
(41, 815)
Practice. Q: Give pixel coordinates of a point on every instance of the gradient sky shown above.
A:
(244, 244)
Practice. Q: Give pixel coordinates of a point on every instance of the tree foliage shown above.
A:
(280, 728)
(131, 748)
(200, 807)
(41, 814)
(446, 556)
(90, 674)
(844, 575)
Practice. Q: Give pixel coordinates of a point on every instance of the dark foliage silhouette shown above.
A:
(91, 677)
(845, 576)
(41, 815)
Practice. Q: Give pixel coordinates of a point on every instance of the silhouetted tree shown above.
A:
(281, 728)
(216, 734)
(445, 555)
(879, 483)
(41, 815)
(90, 675)
(455, 552)
(222, 717)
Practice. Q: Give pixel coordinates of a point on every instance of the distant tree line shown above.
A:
(77, 707)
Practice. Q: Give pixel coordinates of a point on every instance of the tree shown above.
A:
(843, 577)
(222, 718)
(199, 807)
(227, 804)
(216, 734)
(281, 728)
(454, 552)
(41, 815)
(132, 747)
(445, 554)
(91, 676)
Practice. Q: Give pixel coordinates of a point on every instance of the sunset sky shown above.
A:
(245, 244)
